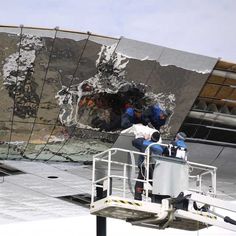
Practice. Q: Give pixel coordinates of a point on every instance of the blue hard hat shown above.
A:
(130, 111)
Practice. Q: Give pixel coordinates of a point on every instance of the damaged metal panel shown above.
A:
(58, 82)
(174, 78)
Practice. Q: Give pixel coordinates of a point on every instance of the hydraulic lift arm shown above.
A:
(208, 213)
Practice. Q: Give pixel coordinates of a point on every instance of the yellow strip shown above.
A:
(123, 202)
(209, 216)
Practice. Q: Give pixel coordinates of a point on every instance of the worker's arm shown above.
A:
(138, 143)
(126, 121)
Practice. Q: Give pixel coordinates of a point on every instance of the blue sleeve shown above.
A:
(138, 143)
(157, 111)
(157, 149)
(181, 143)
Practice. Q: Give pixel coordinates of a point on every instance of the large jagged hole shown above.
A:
(104, 110)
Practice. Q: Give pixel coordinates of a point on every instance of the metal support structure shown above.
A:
(101, 226)
(193, 209)
(101, 221)
(224, 74)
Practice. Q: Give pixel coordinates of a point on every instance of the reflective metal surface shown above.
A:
(55, 82)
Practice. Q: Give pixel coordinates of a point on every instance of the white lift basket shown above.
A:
(190, 187)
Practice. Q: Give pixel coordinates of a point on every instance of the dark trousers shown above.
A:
(142, 176)
(138, 143)
(138, 188)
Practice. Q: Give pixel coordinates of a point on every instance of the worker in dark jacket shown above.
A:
(156, 116)
(103, 124)
(130, 117)
(141, 144)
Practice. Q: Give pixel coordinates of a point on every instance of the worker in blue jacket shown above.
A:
(180, 140)
(130, 117)
(178, 147)
(141, 144)
(156, 116)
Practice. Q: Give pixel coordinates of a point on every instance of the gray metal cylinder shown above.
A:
(170, 176)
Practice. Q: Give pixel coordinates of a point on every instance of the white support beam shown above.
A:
(204, 219)
(226, 205)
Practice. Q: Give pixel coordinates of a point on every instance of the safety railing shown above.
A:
(203, 170)
(115, 171)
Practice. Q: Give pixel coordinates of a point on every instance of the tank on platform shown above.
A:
(170, 176)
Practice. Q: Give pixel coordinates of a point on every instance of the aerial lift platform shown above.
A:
(180, 195)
